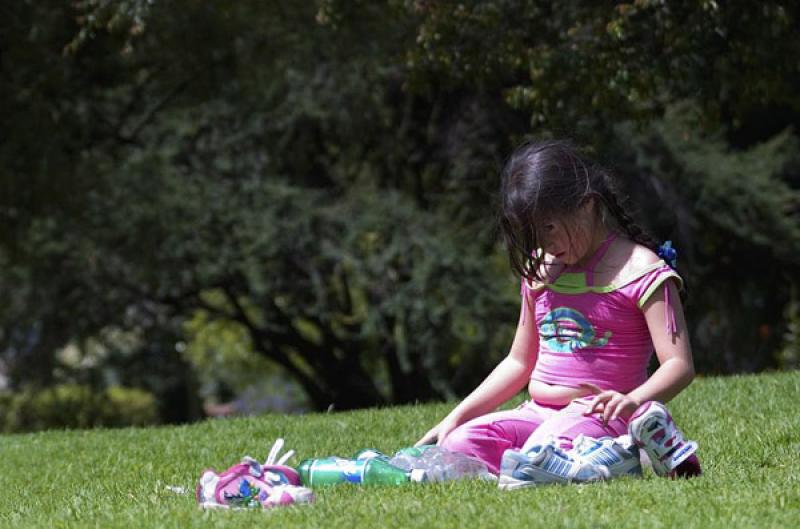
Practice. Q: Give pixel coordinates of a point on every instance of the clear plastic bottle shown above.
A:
(408, 458)
(439, 464)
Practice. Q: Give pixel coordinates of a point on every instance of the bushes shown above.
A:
(76, 406)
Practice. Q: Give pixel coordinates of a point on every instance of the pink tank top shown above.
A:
(596, 333)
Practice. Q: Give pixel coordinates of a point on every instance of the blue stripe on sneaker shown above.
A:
(556, 466)
(611, 458)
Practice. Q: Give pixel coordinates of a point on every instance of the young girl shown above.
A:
(596, 301)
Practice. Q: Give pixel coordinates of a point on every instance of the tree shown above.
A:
(695, 103)
(320, 176)
(580, 67)
(301, 201)
(733, 213)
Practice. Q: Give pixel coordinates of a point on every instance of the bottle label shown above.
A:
(326, 471)
(353, 471)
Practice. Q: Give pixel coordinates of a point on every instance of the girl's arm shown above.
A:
(505, 381)
(676, 369)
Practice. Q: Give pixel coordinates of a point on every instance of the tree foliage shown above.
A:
(735, 215)
(285, 184)
(579, 67)
(318, 180)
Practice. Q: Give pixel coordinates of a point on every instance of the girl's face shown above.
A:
(569, 240)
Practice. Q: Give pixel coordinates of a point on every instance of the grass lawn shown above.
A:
(748, 429)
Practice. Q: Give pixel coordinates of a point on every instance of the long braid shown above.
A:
(629, 226)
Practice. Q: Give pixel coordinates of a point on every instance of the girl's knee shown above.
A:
(479, 442)
(459, 440)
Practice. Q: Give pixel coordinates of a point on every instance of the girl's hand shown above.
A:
(430, 437)
(612, 404)
(438, 433)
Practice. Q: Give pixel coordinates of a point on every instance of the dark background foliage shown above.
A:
(198, 196)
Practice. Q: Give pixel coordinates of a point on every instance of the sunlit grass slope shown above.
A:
(748, 429)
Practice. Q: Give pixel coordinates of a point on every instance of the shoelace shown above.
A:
(583, 443)
(273, 454)
(557, 450)
(591, 448)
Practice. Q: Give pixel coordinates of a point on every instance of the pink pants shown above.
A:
(488, 436)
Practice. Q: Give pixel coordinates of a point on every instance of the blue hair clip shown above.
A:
(668, 254)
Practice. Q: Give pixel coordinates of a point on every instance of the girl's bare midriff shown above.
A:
(544, 393)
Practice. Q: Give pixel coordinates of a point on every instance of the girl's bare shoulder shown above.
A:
(626, 259)
(637, 258)
(641, 257)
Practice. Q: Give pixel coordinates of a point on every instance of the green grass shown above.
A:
(748, 429)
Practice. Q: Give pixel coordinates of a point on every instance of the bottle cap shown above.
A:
(418, 475)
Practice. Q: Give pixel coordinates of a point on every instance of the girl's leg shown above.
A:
(487, 437)
(567, 424)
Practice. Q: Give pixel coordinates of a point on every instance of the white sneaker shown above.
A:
(545, 464)
(652, 429)
(620, 458)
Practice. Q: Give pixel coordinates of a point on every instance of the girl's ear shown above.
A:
(588, 204)
(592, 208)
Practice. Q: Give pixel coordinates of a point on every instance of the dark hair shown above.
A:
(546, 179)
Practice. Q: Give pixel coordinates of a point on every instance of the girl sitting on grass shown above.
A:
(597, 300)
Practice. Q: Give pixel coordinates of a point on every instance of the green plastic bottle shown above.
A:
(415, 451)
(323, 471)
(333, 470)
(378, 471)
